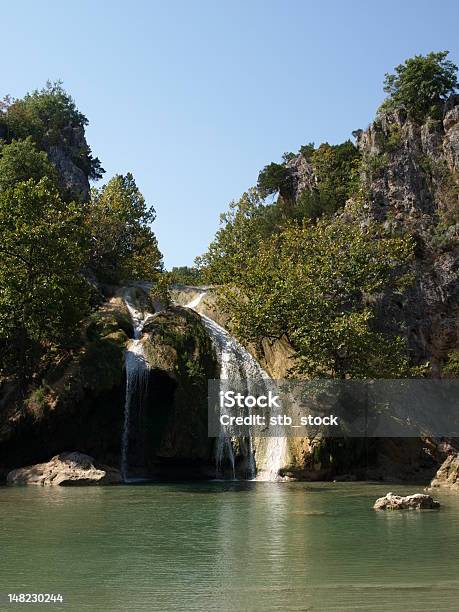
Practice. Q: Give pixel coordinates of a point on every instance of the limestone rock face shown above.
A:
(301, 175)
(65, 469)
(419, 501)
(66, 155)
(447, 476)
(411, 178)
(411, 173)
(72, 178)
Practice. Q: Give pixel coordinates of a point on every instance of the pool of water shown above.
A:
(227, 547)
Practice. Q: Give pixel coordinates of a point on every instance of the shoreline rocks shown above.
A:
(65, 469)
(418, 501)
(447, 476)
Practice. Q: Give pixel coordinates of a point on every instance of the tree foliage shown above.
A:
(43, 294)
(335, 168)
(20, 161)
(247, 222)
(421, 83)
(50, 117)
(312, 282)
(123, 246)
(274, 178)
(49, 244)
(336, 171)
(185, 275)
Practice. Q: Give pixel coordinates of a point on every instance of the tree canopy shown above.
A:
(50, 117)
(20, 161)
(274, 178)
(123, 246)
(313, 283)
(51, 246)
(420, 83)
(43, 294)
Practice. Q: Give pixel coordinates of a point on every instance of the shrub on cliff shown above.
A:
(336, 170)
(49, 116)
(420, 84)
(185, 275)
(274, 178)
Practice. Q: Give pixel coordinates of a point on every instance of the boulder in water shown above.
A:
(419, 501)
(65, 469)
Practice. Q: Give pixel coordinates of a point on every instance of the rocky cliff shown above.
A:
(78, 403)
(410, 184)
(64, 154)
(409, 177)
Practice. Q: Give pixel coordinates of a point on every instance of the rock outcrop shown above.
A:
(76, 402)
(410, 177)
(447, 476)
(173, 424)
(74, 181)
(418, 501)
(410, 174)
(65, 469)
(80, 402)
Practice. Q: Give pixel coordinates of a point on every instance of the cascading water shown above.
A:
(237, 363)
(136, 376)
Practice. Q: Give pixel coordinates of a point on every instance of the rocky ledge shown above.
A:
(65, 469)
(448, 474)
(419, 501)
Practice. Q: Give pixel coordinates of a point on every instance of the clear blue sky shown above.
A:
(194, 97)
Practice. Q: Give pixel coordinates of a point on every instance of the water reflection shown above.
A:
(227, 546)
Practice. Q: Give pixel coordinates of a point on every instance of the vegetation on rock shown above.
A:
(315, 264)
(52, 238)
(420, 84)
(49, 116)
(314, 284)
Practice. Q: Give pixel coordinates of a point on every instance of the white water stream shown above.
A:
(136, 376)
(266, 456)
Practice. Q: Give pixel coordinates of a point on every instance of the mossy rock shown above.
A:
(110, 318)
(101, 366)
(177, 342)
(170, 427)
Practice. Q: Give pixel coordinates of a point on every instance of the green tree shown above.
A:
(123, 246)
(20, 161)
(307, 151)
(43, 295)
(185, 275)
(50, 117)
(314, 284)
(274, 178)
(421, 83)
(336, 171)
(244, 226)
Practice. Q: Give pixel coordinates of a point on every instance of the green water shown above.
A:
(227, 546)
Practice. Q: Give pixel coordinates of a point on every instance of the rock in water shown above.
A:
(448, 474)
(65, 469)
(419, 501)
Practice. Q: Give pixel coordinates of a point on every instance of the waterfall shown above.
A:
(136, 367)
(237, 363)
